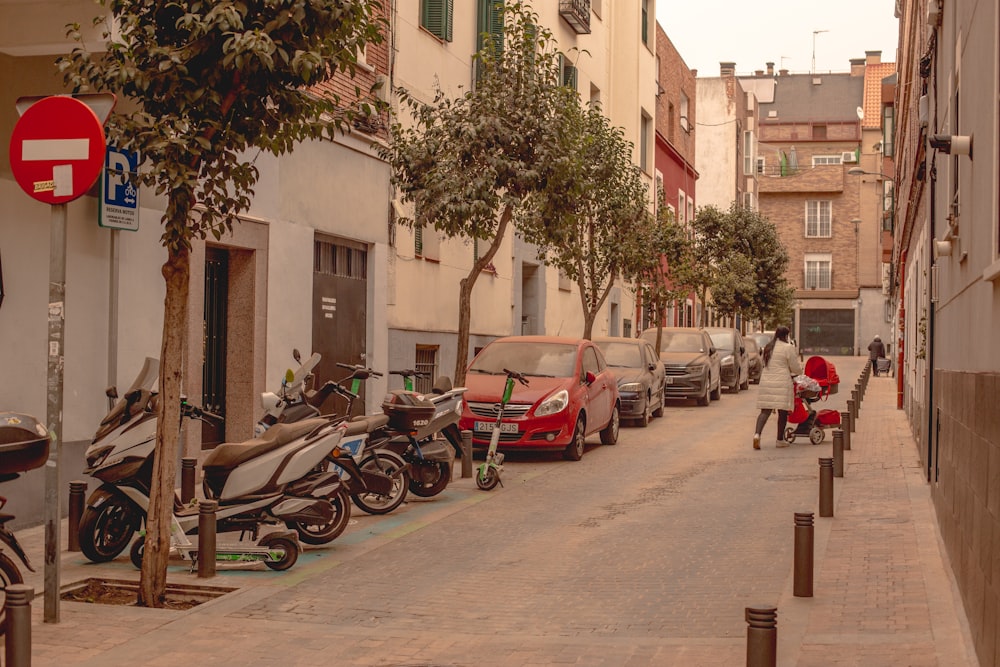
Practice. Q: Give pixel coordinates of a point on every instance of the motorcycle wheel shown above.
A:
(325, 533)
(290, 549)
(106, 530)
(434, 487)
(487, 479)
(136, 552)
(9, 575)
(389, 464)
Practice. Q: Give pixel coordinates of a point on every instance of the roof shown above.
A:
(874, 75)
(797, 98)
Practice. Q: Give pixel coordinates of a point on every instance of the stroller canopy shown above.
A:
(824, 372)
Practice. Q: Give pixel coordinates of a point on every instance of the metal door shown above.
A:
(340, 297)
(213, 378)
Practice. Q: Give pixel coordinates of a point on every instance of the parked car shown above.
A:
(640, 375)
(762, 338)
(755, 359)
(691, 363)
(735, 371)
(571, 394)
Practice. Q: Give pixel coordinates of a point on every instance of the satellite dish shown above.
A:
(861, 113)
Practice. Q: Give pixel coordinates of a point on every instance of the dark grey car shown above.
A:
(735, 368)
(692, 363)
(640, 375)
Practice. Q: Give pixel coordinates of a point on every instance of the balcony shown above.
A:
(577, 14)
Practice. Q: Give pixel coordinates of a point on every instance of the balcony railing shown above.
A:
(577, 14)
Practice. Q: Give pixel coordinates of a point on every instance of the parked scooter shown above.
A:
(413, 438)
(271, 480)
(24, 445)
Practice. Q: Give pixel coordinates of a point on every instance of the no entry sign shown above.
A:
(57, 149)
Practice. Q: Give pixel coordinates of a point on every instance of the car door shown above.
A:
(659, 371)
(714, 363)
(599, 393)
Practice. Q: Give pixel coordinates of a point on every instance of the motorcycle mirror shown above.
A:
(111, 392)
(296, 355)
(591, 378)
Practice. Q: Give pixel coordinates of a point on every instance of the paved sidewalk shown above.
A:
(883, 593)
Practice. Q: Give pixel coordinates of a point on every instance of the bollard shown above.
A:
(17, 649)
(838, 453)
(206, 538)
(846, 426)
(826, 487)
(466, 454)
(856, 397)
(188, 464)
(762, 636)
(853, 410)
(77, 498)
(803, 580)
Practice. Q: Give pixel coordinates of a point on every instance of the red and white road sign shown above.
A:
(57, 149)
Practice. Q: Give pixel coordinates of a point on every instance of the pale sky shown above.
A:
(753, 32)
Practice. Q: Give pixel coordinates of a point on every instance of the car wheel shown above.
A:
(574, 450)
(645, 417)
(658, 412)
(716, 393)
(706, 398)
(746, 383)
(609, 435)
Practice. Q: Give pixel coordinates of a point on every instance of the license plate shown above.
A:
(488, 427)
(668, 380)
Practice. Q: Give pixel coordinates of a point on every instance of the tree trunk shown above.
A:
(153, 580)
(465, 296)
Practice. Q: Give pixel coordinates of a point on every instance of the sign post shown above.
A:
(56, 153)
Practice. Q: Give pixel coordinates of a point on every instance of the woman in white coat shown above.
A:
(776, 390)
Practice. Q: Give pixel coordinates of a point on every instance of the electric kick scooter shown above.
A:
(488, 473)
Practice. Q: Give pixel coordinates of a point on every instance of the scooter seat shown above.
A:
(231, 454)
(359, 425)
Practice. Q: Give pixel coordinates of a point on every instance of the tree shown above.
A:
(470, 163)
(592, 219)
(207, 85)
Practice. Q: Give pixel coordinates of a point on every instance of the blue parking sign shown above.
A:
(119, 193)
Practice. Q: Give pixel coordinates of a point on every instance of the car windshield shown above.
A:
(538, 359)
(682, 342)
(722, 340)
(625, 355)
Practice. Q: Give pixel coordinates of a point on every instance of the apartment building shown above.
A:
(946, 281)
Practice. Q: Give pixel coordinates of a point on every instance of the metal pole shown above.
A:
(113, 311)
(206, 538)
(17, 647)
(838, 453)
(762, 636)
(77, 493)
(466, 454)
(54, 407)
(188, 464)
(826, 487)
(846, 426)
(804, 531)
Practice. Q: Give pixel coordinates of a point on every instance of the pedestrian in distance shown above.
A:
(777, 389)
(876, 351)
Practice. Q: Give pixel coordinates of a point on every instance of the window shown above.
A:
(685, 114)
(827, 159)
(425, 362)
(818, 218)
(761, 165)
(819, 132)
(888, 130)
(567, 72)
(645, 22)
(590, 362)
(644, 136)
(681, 207)
(670, 122)
(690, 215)
(748, 162)
(436, 17)
(818, 271)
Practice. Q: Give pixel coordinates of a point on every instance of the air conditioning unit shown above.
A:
(849, 156)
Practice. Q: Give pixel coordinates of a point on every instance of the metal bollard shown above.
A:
(856, 397)
(77, 498)
(853, 411)
(846, 425)
(826, 487)
(206, 538)
(466, 454)
(188, 464)
(838, 453)
(762, 636)
(804, 539)
(17, 651)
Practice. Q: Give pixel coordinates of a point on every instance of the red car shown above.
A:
(571, 394)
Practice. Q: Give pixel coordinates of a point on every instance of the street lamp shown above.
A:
(858, 171)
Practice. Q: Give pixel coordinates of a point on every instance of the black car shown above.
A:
(640, 376)
(692, 363)
(755, 359)
(735, 370)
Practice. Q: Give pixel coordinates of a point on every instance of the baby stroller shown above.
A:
(817, 383)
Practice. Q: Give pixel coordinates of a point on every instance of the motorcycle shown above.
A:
(24, 445)
(272, 480)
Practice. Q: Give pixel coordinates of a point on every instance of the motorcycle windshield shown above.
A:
(143, 382)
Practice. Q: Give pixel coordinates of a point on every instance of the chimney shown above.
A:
(770, 69)
(873, 57)
(758, 72)
(727, 69)
(782, 72)
(857, 66)
(694, 73)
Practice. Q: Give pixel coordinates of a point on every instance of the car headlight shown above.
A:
(553, 404)
(727, 361)
(694, 369)
(633, 387)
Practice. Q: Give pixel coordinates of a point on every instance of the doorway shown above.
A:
(213, 379)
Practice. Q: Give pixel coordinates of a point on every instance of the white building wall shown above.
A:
(715, 154)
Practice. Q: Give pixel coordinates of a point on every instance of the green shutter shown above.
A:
(436, 17)
(418, 240)
(491, 23)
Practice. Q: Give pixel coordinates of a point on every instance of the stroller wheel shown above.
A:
(816, 435)
(790, 434)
